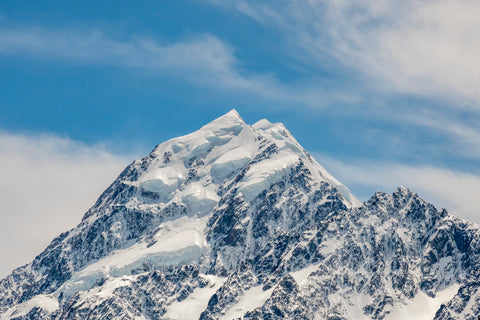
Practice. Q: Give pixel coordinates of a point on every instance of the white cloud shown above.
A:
(460, 138)
(454, 190)
(196, 58)
(46, 185)
(202, 60)
(421, 47)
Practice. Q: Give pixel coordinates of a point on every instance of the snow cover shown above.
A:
(301, 275)
(229, 162)
(200, 199)
(100, 293)
(46, 302)
(177, 242)
(214, 152)
(189, 170)
(252, 298)
(225, 146)
(353, 309)
(265, 174)
(196, 302)
(284, 139)
(422, 307)
(162, 181)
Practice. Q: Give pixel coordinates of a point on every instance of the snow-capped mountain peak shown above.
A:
(239, 221)
(192, 168)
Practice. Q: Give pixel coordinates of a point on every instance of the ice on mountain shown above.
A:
(264, 174)
(121, 264)
(221, 148)
(231, 121)
(262, 124)
(252, 298)
(200, 199)
(169, 176)
(285, 141)
(161, 183)
(196, 302)
(179, 241)
(201, 148)
(46, 302)
(177, 257)
(276, 131)
(101, 293)
(301, 275)
(219, 139)
(229, 162)
(422, 307)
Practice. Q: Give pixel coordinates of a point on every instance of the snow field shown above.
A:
(196, 302)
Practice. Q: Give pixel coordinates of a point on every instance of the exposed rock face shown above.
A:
(238, 221)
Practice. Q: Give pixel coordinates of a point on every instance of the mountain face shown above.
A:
(238, 221)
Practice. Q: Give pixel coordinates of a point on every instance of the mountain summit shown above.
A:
(238, 221)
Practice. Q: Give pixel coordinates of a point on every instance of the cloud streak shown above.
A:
(202, 60)
(461, 139)
(193, 57)
(416, 47)
(46, 185)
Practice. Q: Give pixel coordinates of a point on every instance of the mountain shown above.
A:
(238, 221)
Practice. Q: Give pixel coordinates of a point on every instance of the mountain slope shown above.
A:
(239, 221)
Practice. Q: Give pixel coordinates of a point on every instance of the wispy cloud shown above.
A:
(461, 139)
(414, 46)
(196, 58)
(454, 190)
(202, 60)
(46, 185)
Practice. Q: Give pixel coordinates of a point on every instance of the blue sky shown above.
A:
(382, 93)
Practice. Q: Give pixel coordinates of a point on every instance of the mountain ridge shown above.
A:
(211, 219)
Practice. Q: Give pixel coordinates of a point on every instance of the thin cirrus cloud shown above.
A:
(46, 185)
(454, 190)
(203, 60)
(461, 139)
(203, 54)
(414, 46)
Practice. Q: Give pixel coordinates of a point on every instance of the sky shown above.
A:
(383, 93)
